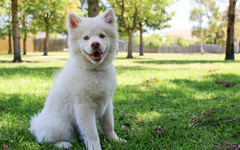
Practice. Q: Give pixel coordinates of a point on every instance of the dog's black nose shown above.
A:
(95, 45)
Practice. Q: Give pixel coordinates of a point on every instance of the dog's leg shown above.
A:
(86, 121)
(106, 123)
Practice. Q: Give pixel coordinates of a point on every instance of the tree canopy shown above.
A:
(6, 18)
(138, 13)
(197, 15)
(50, 16)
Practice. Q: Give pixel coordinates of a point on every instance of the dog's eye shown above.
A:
(102, 36)
(86, 38)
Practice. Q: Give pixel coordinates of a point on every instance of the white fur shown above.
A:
(83, 91)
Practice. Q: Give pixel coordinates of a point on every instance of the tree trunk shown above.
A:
(46, 41)
(25, 43)
(15, 29)
(93, 8)
(201, 47)
(130, 44)
(230, 30)
(141, 39)
(9, 43)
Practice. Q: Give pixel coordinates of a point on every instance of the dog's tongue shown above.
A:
(96, 56)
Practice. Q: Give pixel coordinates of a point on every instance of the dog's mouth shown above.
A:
(96, 56)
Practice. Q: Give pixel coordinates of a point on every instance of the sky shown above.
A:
(182, 9)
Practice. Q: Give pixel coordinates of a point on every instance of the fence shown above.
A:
(208, 48)
(61, 44)
(53, 44)
(4, 47)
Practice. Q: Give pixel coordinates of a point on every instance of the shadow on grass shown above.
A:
(209, 82)
(9, 62)
(35, 61)
(172, 108)
(21, 104)
(15, 113)
(46, 72)
(49, 71)
(181, 101)
(184, 61)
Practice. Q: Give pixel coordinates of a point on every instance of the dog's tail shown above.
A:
(33, 124)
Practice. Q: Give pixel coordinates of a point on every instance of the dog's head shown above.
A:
(94, 38)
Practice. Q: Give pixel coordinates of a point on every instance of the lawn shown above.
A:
(162, 101)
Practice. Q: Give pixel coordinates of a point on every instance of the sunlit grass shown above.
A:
(157, 94)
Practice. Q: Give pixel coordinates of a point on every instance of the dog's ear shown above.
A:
(73, 21)
(109, 16)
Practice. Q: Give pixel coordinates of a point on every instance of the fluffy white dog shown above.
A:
(83, 91)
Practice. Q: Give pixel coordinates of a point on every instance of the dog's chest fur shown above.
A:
(98, 89)
(92, 87)
(98, 84)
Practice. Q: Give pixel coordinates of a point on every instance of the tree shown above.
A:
(26, 19)
(15, 29)
(141, 39)
(128, 11)
(215, 32)
(141, 14)
(196, 15)
(230, 30)
(25, 32)
(153, 16)
(50, 16)
(6, 22)
(93, 8)
(221, 33)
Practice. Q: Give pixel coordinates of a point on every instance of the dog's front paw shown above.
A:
(122, 140)
(94, 146)
(64, 145)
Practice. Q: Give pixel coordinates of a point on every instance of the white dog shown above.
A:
(83, 91)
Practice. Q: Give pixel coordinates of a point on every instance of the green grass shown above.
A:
(171, 101)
